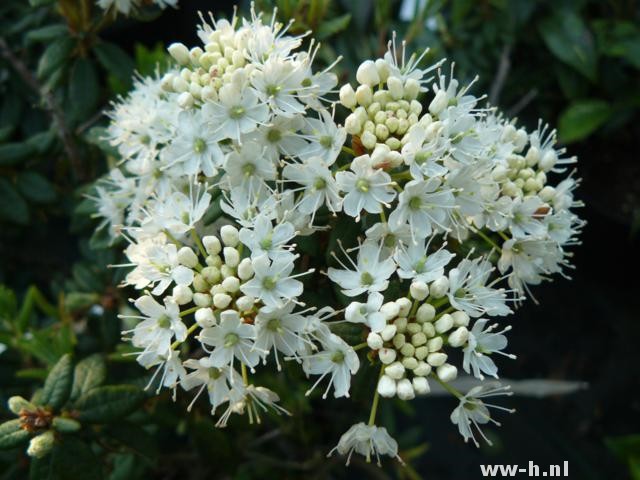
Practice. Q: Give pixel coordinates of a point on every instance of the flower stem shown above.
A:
(198, 242)
(172, 238)
(448, 387)
(487, 239)
(188, 311)
(190, 330)
(359, 346)
(376, 400)
(348, 150)
(245, 375)
(504, 236)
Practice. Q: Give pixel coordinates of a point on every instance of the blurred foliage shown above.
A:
(574, 63)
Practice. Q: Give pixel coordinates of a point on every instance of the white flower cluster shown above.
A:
(127, 6)
(455, 203)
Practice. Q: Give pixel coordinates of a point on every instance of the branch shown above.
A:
(501, 75)
(51, 105)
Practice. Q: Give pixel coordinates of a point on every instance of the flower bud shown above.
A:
(382, 132)
(422, 370)
(383, 69)
(245, 269)
(428, 329)
(353, 125)
(17, 404)
(395, 370)
(213, 261)
(409, 363)
(439, 102)
(202, 299)
(65, 425)
(396, 89)
(208, 94)
(41, 445)
(419, 290)
(405, 306)
(458, 337)
(388, 332)
(386, 386)
(387, 355)
(411, 89)
(229, 235)
(187, 258)
(447, 372)
(390, 310)
(426, 313)
(231, 257)
(185, 100)
(200, 284)
(211, 275)
(167, 82)
(180, 53)
(407, 350)
(364, 95)
(436, 359)
(211, 244)
(439, 287)
(404, 390)
(227, 271)
(231, 284)
(221, 300)
(444, 323)
(520, 140)
(418, 339)
(367, 73)
(347, 96)
(368, 140)
(182, 294)
(421, 352)
(245, 302)
(435, 344)
(374, 341)
(533, 156)
(547, 193)
(401, 324)
(205, 317)
(420, 385)
(399, 340)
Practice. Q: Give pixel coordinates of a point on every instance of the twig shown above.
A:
(501, 75)
(51, 106)
(523, 102)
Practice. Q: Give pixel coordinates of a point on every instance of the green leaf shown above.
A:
(624, 447)
(16, 152)
(84, 89)
(86, 278)
(13, 208)
(70, 459)
(115, 61)
(46, 34)
(8, 304)
(12, 435)
(55, 56)
(57, 387)
(214, 211)
(333, 26)
(106, 404)
(36, 187)
(41, 142)
(568, 38)
(98, 136)
(89, 374)
(582, 118)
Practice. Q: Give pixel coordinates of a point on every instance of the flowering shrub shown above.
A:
(442, 214)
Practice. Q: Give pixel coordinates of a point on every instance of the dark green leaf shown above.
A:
(115, 61)
(624, 447)
(12, 153)
(214, 211)
(582, 118)
(46, 34)
(568, 38)
(57, 387)
(41, 142)
(70, 459)
(89, 374)
(11, 435)
(106, 404)
(86, 278)
(333, 26)
(36, 187)
(75, 301)
(13, 208)
(84, 89)
(54, 56)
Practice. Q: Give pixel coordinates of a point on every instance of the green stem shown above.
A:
(376, 400)
(245, 375)
(172, 238)
(440, 302)
(359, 346)
(348, 150)
(383, 217)
(504, 236)
(191, 329)
(188, 311)
(198, 242)
(488, 240)
(447, 387)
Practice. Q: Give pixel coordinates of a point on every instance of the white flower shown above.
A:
(415, 263)
(422, 157)
(325, 138)
(194, 148)
(280, 137)
(215, 380)
(366, 188)
(338, 360)
(525, 219)
(473, 412)
(272, 282)
(156, 264)
(319, 185)
(367, 313)
(281, 330)
(391, 236)
(231, 339)
(370, 274)
(159, 326)
(424, 206)
(248, 167)
(277, 83)
(481, 343)
(266, 239)
(468, 289)
(368, 441)
(237, 111)
(178, 213)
